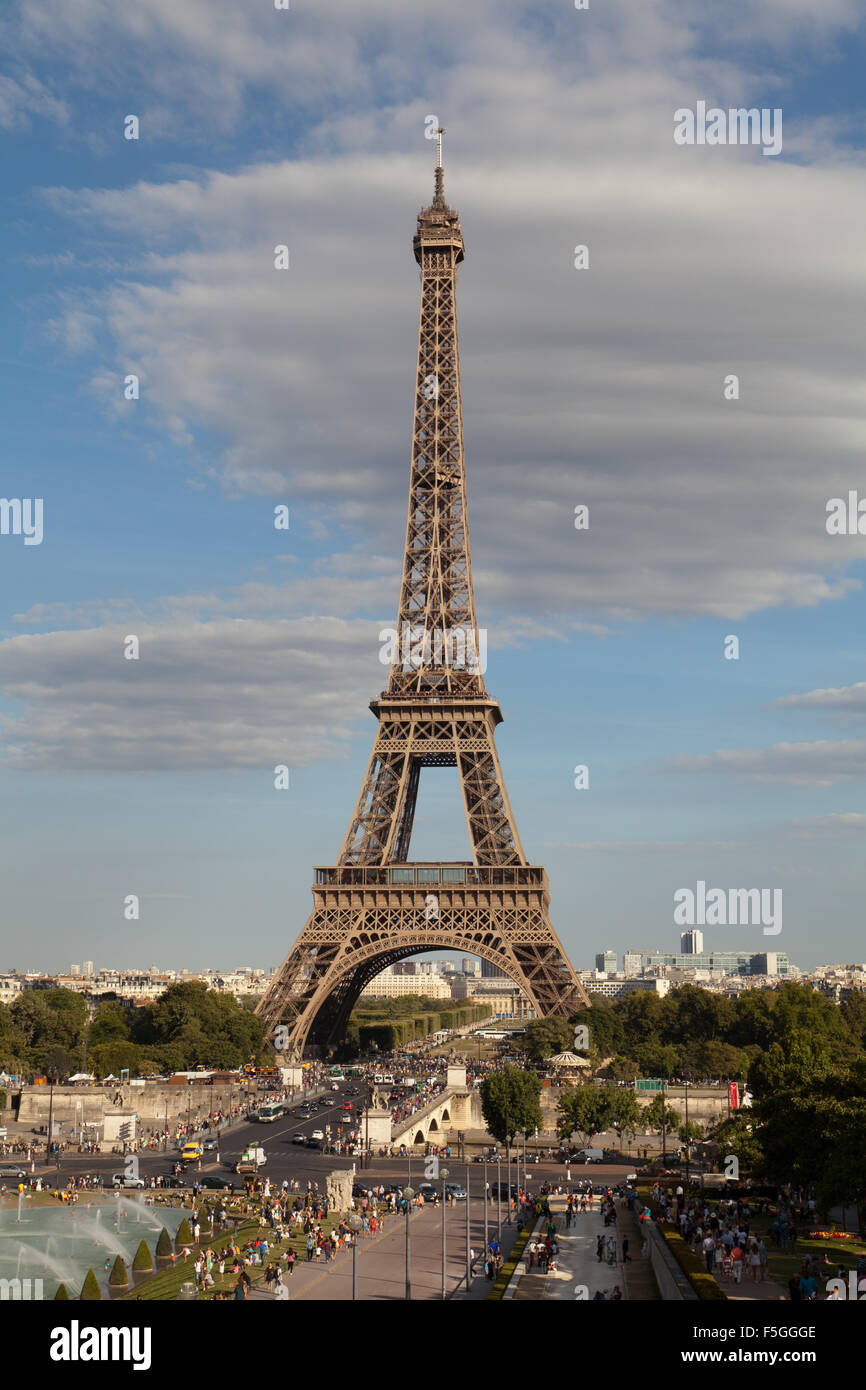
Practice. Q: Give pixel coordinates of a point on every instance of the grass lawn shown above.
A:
(781, 1265)
(165, 1285)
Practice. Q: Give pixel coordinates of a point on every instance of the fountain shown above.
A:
(63, 1243)
(20, 1205)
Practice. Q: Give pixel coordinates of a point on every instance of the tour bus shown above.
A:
(273, 1111)
(336, 1073)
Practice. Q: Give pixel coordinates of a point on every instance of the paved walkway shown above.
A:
(382, 1260)
(578, 1263)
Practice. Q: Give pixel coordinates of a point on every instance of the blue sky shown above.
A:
(605, 386)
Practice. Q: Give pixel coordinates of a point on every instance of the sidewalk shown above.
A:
(578, 1264)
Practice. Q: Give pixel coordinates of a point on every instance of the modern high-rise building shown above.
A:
(492, 972)
(606, 962)
(87, 968)
(692, 942)
(75, 969)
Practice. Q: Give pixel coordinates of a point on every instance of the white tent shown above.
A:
(81, 1076)
(568, 1059)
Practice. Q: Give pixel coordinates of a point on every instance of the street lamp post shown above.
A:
(499, 1194)
(468, 1234)
(687, 1136)
(408, 1194)
(50, 1113)
(443, 1173)
(486, 1190)
(354, 1223)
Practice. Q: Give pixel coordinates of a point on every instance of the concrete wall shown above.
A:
(150, 1103)
(674, 1287)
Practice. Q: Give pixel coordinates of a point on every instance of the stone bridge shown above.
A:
(457, 1107)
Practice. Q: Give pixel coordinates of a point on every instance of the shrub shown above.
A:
(164, 1247)
(184, 1234)
(61, 1293)
(90, 1289)
(143, 1260)
(119, 1277)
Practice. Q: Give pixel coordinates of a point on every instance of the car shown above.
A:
(347, 1119)
(209, 1145)
(317, 1134)
(347, 1105)
(498, 1189)
(456, 1192)
(173, 1180)
(126, 1180)
(313, 1144)
(215, 1181)
(11, 1170)
(299, 1138)
(428, 1191)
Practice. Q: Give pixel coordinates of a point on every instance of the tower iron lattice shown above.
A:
(375, 907)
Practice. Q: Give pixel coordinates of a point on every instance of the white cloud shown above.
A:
(229, 694)
(819, 764)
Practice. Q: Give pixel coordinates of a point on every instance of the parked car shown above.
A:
(457, 1192)
(215, 1181)
(126, 1180)
(173, 1180)
(498, 1189)
(428, 1191)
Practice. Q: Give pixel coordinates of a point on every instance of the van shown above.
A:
(192, 1152)
(591, 1155)
(252, 1158)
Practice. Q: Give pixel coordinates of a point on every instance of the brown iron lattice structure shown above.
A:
(374, 906)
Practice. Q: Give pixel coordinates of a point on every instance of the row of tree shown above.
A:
(189, 1025)
(386, 1024)
(695, 1035)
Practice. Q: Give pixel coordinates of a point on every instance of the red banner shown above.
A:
(733, 1095)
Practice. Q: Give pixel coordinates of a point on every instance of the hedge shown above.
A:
(701, 1280)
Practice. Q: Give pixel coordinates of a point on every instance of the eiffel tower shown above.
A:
(375, 906)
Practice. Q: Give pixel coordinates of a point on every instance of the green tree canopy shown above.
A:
(510, 1103)
(586, 1111)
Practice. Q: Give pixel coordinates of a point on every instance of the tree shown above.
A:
(164, 1247)
(62, 1293)
(109, 1024)
(659, 1115)
(544, 1037)
(90, 1291)
(604, 1025)
(588, 1110)
(110, 1058)
(143, 1260)
(119, 1276)
(184, 1235)
(627, 1113)
(739, 1136)
(624, 1069)
(510, 1103)
(690, 1133)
